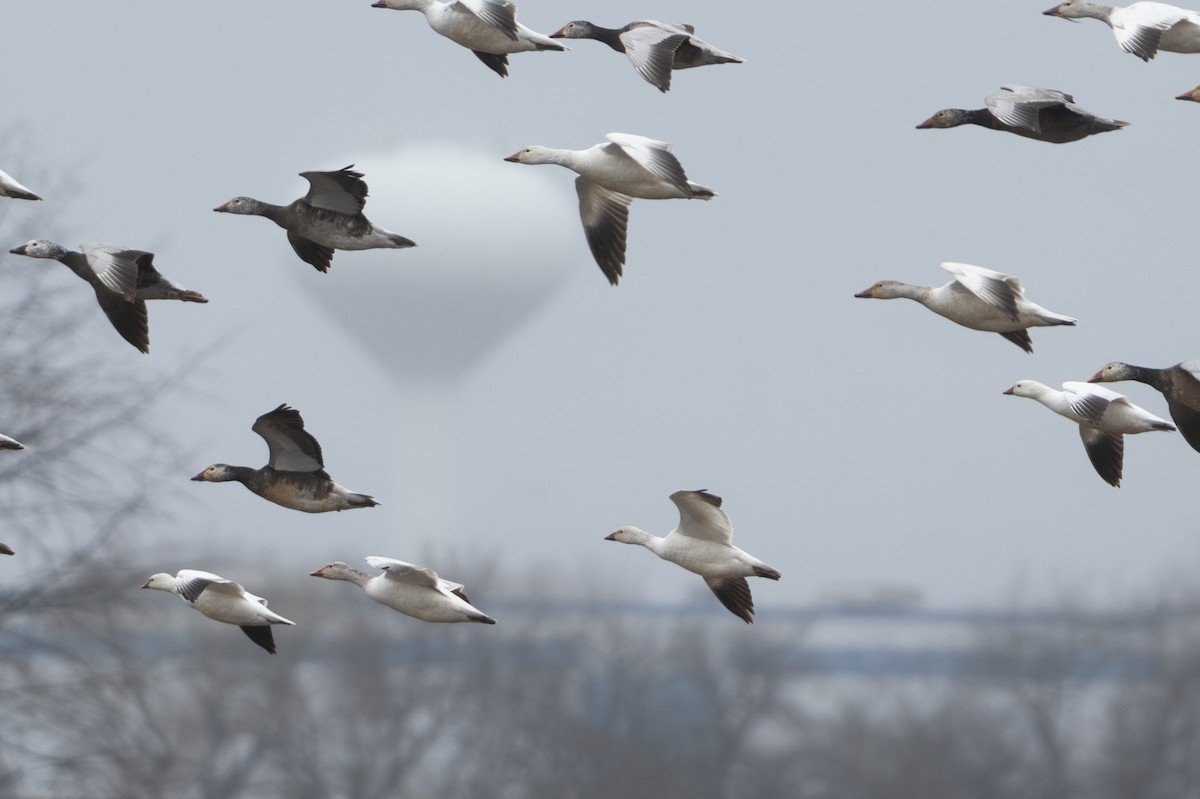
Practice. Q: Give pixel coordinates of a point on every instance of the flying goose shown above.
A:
(1141, 28)
(295, 475)
(328, 218)
(123, 280)
(413, 590)
(1043, 114)
(1103, 417)
(488, 28)
(612, 175)
(703, 544)
(222, 600)
(978, 298)
(655, 48)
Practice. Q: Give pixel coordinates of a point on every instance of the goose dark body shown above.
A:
(295, 475)
(1042, 114)
(122, 279)
(655, 48)
(329, 217)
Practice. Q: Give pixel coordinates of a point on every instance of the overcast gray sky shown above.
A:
(503, 402)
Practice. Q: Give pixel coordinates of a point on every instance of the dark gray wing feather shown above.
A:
(1106, 451)
(734, 594)
(292, 448)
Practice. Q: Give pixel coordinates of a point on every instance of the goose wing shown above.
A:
(605, 217)
(342, 190)
(405, 572)
(1139, 27)
(1088, 401)
(700, 516)
(318, 255)
(115, 266)
(654, 156)
(651, 47)
(191, 583)
(997, 289)
(497, 13)
(127, 316)
(734, 594)
(292, 448)
(1020, 106)
(1106, 451)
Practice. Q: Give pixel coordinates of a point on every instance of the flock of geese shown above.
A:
(611, 175)
(330, 217)
(984, 299)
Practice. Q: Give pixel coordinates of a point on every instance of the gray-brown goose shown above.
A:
(123, 280)
(329, 217)
(1043, 114)
(295, 475)
(655, 48)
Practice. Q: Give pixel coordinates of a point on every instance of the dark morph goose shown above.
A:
(295, 475)
(655, 48)
(1043, 114)
(328, 218)
(123, 280)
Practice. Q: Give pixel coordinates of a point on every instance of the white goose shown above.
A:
(488, 28)
(611, 175)
(703, 544)
(1103, 417)
(978, 298)
(1142, 28)
(413, 590)
(222, 600)
(9, 187)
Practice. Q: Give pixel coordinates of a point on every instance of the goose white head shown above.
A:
(338, 570)
(160, 582)
(1073, 10)
(886, 290)
(40, 248)
(629, 535)
(1026, 388)
(536, 154)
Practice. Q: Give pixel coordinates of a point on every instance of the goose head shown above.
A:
(217, 473)
(536, 154)
(1072, 10)
(338, 570)
(160, 582)
(885, 290)
(240, 205)
(1112, 373)
(629, 535)
(1026, 388)
(579, 29)
(946, 118)
(40, 248)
